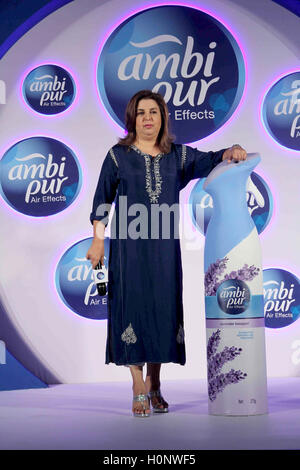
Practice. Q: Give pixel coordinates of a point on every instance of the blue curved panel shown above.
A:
(18, 19)
(14, 376)
(291, 5)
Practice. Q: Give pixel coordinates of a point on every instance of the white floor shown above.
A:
(98, 416)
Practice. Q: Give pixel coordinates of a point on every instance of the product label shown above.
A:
(241, 306)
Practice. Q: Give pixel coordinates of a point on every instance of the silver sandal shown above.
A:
(156, 408)
(142, 397)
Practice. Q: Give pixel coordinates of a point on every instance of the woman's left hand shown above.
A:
(236, 153)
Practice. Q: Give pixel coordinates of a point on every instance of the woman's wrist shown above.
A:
(225, 154)
(97, 240)
(99, 231)
(234, 153)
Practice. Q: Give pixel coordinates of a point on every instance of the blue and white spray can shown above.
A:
(234, 304)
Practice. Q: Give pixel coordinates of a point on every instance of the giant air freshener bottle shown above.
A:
(235, 325)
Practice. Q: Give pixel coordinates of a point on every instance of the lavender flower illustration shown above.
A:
(214, 271)
(211, 276)
(215, 361)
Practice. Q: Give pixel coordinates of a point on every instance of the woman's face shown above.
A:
(148, 119)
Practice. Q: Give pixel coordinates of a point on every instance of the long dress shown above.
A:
(145, 308)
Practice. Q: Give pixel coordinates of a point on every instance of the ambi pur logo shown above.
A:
(233, 296)
(182, 53)
(39, 176)
(49, 89)
(259, 201)
(281, 297)
(281, 111)
(75, 283)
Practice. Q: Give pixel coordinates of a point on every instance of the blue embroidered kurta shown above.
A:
(145, 309)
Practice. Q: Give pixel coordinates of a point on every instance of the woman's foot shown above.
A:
(153, 385)
(141, 406)
(138, 387)
(157, 400)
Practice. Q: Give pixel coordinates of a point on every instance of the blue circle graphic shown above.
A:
(75, 282)
(281, 297)
(49, 89)
(281, 111)
(183, 53)
(39, 176)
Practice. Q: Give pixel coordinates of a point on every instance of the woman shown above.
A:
(145, 312)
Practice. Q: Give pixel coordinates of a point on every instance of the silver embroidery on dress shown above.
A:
(180, 335)
(112, 154)
(153, 194)
(183, 156)
(128, 335)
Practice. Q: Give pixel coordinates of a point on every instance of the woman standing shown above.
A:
(144, 173)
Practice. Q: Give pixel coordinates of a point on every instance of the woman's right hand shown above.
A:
(96, 252)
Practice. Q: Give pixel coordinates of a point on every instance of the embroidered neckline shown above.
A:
(143, 153)
(153, 194)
